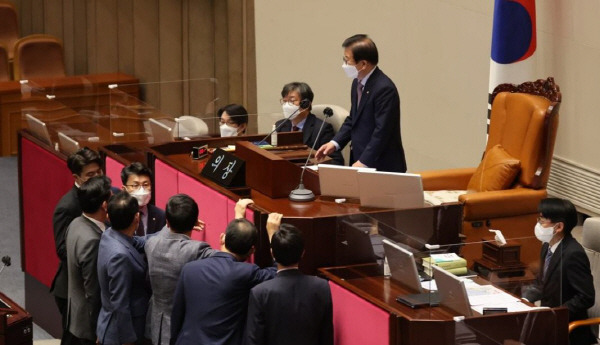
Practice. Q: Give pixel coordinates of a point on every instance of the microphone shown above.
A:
(5, 262)
(304, 104)
(300, 193)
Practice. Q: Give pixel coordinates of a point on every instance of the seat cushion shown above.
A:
(497, 171)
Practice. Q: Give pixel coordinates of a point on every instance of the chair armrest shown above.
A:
(501, 203)
(449, 179)
(586, 322)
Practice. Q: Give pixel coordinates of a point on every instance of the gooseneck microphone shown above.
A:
(5, 262)
(304, 104)
(301, 193)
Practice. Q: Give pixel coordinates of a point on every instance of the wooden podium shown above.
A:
(16, 327)
(272, 174)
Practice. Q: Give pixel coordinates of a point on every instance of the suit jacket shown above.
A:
(66, 210)
(309, 134)
(291, 309)
(374, 125)
(156, 219)
(82, 240)
(167, 252)
(121, 273)
(211, 300)
(568, 282)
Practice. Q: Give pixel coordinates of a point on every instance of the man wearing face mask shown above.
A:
(373, 124)
(233, 119)
(137, 181)
(303, 120)
(564, 278)
(83, 164)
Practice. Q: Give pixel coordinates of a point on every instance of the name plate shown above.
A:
(225, 169)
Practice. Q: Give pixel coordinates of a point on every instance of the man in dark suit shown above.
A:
(211, 298)
(293, 308)
(122, 276)
(564, 278)
(83, 164)
(373, 124)
(304, 120)
(82, 240)
(137, 181)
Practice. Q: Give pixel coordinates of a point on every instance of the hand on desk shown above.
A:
(200, 225)
(325, 150)
(240, 207)
(273, 223)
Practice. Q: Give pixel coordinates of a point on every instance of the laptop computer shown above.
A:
(390, 190)
(38, 128)
(339, 181)
(359, 245)
(67, 144)
(404, 271)
(452, 291)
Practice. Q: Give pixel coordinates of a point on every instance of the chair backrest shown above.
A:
(591, 243)
(38, 56)
(525, 125)
(339, 114)
(4, 65)
(9, 26)
(189, 126)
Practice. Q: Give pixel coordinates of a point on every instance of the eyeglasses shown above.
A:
(289, 100)
(146, 185)
(346, 60)
(229, 122)
(542, 220)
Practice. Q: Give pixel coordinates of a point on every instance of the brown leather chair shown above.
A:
(9, 26)
(38, 56)
(4, 65)
(523, 120)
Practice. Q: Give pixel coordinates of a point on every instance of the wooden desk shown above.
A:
(16, 327)
(73, 92)
(175, 172)
(366, 312)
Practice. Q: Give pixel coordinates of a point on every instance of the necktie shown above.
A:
(547, 261)
(140, 230)
(295, 129)
(359, 91)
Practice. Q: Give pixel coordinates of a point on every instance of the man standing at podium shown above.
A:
(373, 124)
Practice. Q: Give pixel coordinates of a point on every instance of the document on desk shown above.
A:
(486, 296)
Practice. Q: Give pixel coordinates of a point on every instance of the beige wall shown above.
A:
(437, 52)
(157, 40)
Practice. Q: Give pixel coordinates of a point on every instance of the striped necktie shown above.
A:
(359, 92)
(547, 261)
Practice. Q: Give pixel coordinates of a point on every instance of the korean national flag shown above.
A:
(513, 42)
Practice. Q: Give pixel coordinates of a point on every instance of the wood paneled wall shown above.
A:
(157, 40)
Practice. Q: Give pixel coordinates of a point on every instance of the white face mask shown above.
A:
(228, 131)
(142, 195)
(544, 234)
(351, 71)
(289, 109)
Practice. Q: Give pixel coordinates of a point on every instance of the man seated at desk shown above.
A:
(303, 120)
(233, 120)
(573, 286)
(137, 181)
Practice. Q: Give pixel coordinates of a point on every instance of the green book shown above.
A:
(457, 263)
(456, 271)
